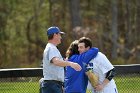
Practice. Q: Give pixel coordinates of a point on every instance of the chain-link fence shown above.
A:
(129, 83)
(19, 85)
(27, 81)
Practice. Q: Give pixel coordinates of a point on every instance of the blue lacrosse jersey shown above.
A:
(76, 81)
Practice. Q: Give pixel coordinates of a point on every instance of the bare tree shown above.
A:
(114, 28)
(37, 41)
(75, 14)
(128, 38)
(137, 32)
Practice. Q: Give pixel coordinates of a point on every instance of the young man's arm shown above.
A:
(109, 76)
(88, 55)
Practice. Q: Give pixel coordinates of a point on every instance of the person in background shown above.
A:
(102, 67)
(53, 63)
(76, 81)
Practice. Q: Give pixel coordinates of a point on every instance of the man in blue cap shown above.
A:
(53, 63)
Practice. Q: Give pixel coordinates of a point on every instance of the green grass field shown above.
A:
(19, 87)
(128, 84)
(124, 85)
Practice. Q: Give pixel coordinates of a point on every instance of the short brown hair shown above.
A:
(51, 36)
(86, 41)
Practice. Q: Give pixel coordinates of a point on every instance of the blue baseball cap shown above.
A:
(53, 29)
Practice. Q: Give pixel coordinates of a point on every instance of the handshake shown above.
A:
(91, 76)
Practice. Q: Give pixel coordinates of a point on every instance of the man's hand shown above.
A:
(56, 61)
(75, 66)
(99, 87)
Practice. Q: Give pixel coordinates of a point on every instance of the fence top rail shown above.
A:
(37, 72)
(127, 69)
(13, 69)
(128, 65)
(21, 72)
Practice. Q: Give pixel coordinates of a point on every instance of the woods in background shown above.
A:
(112, 25)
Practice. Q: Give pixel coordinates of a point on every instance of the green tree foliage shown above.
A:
(23, 26)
